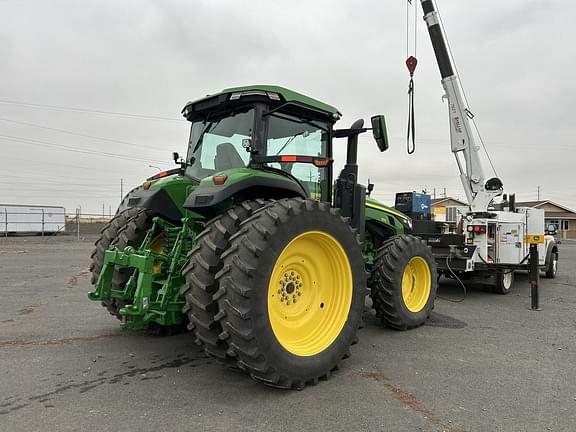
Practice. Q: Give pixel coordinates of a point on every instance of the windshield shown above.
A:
(216, 145)
(288, 135)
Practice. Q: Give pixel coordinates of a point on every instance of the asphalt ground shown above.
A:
(485, 364)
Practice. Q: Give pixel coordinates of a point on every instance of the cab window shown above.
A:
(288, 135)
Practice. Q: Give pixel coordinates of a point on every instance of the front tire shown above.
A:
(552, 267)
(404, 282)
(292, 292)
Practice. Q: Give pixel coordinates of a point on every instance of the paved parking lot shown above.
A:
(485, 364)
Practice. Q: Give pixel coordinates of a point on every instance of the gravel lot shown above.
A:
(485, 364)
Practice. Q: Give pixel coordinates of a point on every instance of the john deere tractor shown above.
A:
(253, 246)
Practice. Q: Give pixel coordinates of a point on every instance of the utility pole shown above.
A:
(538, 193)
(444, 192)
(434, 193)
(121, 189)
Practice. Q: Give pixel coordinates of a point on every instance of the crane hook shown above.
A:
(411, 63)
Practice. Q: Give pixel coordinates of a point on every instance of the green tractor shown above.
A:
(253, 247)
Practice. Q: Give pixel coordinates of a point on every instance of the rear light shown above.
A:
(147, 185)
(477, 229)
(219, 180)
(319, 162)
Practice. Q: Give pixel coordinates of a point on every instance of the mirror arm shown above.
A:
(345, 133)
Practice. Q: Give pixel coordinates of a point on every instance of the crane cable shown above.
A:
(411, 63)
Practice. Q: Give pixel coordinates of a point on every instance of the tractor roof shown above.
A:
(274, 93)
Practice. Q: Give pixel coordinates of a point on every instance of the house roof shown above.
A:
(537, 204)
(437, 201)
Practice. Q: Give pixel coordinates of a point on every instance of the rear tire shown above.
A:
(301, 250)
(204, 261)
(108, 236)
(504, 282)
(404, 282)
(131, 234)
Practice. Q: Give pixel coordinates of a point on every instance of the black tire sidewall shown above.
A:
(551, 271)
(300, 367)
(413, 319)
(500, 284)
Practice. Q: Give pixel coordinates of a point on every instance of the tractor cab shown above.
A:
(271, 142)
(265, 128)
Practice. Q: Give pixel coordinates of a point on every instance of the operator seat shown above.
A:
(227, 157)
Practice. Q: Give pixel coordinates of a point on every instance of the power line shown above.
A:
(69, 132)
(89, 111)
(75, 166)
(28, 180)
(42, 143)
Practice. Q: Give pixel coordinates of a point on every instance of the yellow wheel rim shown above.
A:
(416, 283)
(157, 246)
(310, 293)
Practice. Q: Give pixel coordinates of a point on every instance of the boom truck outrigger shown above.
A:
(489, 244)
(252, 246)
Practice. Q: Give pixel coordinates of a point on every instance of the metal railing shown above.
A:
(47, 222)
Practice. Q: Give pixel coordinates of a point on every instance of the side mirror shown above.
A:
(379, 131)
(175, 156)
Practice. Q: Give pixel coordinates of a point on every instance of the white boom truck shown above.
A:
(487, 245)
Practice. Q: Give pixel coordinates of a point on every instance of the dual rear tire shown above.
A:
(290, 293)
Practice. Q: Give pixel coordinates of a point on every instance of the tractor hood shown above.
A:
(378, 211)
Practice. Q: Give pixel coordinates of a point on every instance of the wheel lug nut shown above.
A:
(299, 293)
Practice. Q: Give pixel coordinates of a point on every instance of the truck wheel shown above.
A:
(204, 261)
(107, 236)
(292, 292)
(404, 282)
(552, 267)
(504, 282)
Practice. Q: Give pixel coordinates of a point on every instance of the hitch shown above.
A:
(152, 293)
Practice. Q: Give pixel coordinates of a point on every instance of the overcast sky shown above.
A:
(149, 57)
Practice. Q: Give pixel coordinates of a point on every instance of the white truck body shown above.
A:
(506, 238)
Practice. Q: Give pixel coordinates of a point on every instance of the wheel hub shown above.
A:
(291, 286)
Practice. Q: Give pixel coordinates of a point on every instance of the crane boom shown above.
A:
(479, 192)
